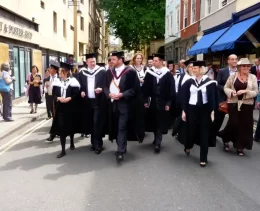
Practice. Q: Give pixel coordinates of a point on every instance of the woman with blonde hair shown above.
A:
(241, 89)
(199, 102)
(137, 64)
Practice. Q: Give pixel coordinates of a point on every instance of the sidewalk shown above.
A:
(256, 115)
(21, 117)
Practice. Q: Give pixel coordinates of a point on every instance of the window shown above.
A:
(170, 27)
(177, 19)
(167, 25)
(223, 3)
(55, 22)
(42, 5)
(185, 21)
(82, 23)
(82, 1)
(64, 1)
(64, 29)
(208, 7)
(89, 31)
(193, 11)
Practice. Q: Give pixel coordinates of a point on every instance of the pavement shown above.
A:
(32, 178)
(21, 116)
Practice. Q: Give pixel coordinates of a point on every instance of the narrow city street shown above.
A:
(32, 178)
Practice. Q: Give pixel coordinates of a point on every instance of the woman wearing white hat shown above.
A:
(241, 89)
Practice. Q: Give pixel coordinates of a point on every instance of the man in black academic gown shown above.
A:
(159, 86)
(54, 68)
(150, 61)
(92, 82)
(125, 104)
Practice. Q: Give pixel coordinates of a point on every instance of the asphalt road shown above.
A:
(33, 179)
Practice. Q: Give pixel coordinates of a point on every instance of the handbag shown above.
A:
(223, 107)
(4, 87)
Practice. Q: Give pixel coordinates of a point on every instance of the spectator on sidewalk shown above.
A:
(241, 89)
(34, 89)
(7, 96)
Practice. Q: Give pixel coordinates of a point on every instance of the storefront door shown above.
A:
(16, 72)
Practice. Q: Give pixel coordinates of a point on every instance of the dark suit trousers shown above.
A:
(220, 116)
(96, 135)
(7, 105)
(49, 104)
(120, 111)
(158, 133)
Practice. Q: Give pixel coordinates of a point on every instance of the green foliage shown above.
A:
(135, 22)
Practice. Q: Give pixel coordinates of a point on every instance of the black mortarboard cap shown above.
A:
(189, 61)
(199, 63)
(170, 62)
(119, 54)
(90, 55)
(161, 56)
(150, 58)
(101, 64)
(55, 64)
(127, 62)
(66, 66)
(71, 55)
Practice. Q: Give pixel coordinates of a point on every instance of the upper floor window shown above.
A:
(223, 3)
(167, 25)
(170, 26)
(208, 6)
(82, 1)
(185, 18)
(82, 23)
(55, 22)
(193, 11)
(177, 19)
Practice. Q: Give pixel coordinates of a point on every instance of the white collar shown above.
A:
(119, 69)
(162, 70)
(203, 78)
(55, 76)
(93, 70)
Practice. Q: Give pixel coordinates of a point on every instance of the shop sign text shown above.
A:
(14, 31)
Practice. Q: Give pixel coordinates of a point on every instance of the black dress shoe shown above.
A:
(119, 157)
(116, 153)
(154, 143)
(98, 151)
(9, 120)
(50, 139)
(62, 154)
(157, 148)
(92, 149)
(82, 135)
(203, 164)
(87, 136)
(72, 147)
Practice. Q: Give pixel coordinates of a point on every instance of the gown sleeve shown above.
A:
(185, 95)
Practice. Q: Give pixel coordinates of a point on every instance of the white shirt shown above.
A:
(91, 85)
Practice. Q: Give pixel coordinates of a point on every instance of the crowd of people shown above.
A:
(125, 99)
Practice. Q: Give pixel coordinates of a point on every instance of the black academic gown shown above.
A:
(158, 101)
(87, 117)
(65, 118)
(132, 101)
(198, 128)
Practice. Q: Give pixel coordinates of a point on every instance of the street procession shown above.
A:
(125, 102)
(126, 105)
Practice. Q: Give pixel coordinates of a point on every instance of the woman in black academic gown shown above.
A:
(65, 92)
(199, 102)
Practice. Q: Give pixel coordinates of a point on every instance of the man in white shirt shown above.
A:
(123, 91)
(92, 82)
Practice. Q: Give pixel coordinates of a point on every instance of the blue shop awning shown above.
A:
(203, 45)
(235, 32)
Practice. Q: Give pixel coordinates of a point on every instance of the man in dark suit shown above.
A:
(222, 78)
(256, 70)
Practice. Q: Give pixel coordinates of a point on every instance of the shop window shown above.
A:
(55, 22)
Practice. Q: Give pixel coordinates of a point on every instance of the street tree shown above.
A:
(135, 22)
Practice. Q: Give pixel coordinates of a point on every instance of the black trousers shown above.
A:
(219, 118)
(49, 104)
(257, 132)
(7, 105)
(158, 133)
(97, 126)
(120, 112)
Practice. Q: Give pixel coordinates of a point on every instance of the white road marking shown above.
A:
(21, 137)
